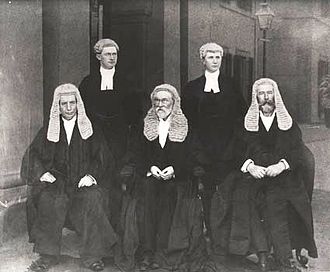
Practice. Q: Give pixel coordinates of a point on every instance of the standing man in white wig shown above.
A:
(213, 106)
(113, 102)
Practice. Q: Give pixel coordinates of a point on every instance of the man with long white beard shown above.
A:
(166, 158)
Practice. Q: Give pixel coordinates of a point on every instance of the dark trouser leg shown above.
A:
(168, 199)
(47, 229)
(206, 196)
(240, 233)
(89, 219)
(160, 201)
(258, 233)
(277, 222)
(152, 208)
(247, 231)
(115, 132)
(258, 228)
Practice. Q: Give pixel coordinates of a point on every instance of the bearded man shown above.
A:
(270, 196)
(67, 168)
(165, 159)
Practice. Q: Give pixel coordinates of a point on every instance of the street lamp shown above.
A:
(265, 17)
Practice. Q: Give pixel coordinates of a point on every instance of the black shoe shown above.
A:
(43, 263)
(96, 266)
(289, 266)
(262, 262)
(148, 264)
(303, 260)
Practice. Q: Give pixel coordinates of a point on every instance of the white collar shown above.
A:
(212, 83)
(267, 120)
(106, 72)
(69, 126)
(107, 78)
(163, 128)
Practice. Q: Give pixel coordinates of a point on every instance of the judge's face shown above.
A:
(265, 97)
(212, 61)
(163, 102)
(108, 58)
(68, 106)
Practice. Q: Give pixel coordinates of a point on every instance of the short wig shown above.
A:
(209, 47)
(98, 47)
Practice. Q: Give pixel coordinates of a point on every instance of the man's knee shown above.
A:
(91, 196)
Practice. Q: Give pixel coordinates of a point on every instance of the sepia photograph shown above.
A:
(165, 135)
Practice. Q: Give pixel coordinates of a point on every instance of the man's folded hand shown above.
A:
(87, 181)
(167, 173)
(256, 171)
(275, 169)
(48, 177)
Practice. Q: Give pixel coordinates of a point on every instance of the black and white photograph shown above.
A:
(165, 135)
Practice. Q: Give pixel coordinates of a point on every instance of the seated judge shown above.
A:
(271, 206)
(66, 168)
(165, 158)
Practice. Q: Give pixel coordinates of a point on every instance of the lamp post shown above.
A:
(265, 17)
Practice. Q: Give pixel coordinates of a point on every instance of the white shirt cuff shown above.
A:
(287, 166)
(245, 165)
(92, 178)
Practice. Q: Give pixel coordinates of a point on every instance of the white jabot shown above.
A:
(212, 83)
(163, 129)
(267, 120)
(107, 78)
(69, 126)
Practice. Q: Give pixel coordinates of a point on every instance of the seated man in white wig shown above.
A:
(166, 158)
(270, 192)
(66, 167)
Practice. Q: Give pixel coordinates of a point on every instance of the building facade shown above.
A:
(48, 42)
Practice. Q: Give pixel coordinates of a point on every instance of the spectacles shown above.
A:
(164, 101)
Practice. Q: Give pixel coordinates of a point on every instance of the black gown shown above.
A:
(51, 206)
(116, 112)
(283, 202)
(171, 229)
(216, 120)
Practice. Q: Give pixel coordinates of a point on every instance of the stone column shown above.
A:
(21, 100)
(172, 42)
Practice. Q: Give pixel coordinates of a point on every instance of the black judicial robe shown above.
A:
(266, 148)
(114, 110)
(51, 206)
(172, 225)
(214, 118)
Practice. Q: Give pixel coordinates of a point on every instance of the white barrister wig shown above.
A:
(209, 47)
(98, 47)
(179, 124)
(84, 124)
(251, 121)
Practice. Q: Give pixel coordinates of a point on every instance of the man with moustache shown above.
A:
(165, 159)
(65, 168)
(214, 107)
(270, 192)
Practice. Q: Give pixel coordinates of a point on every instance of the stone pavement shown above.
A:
(16, 254)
